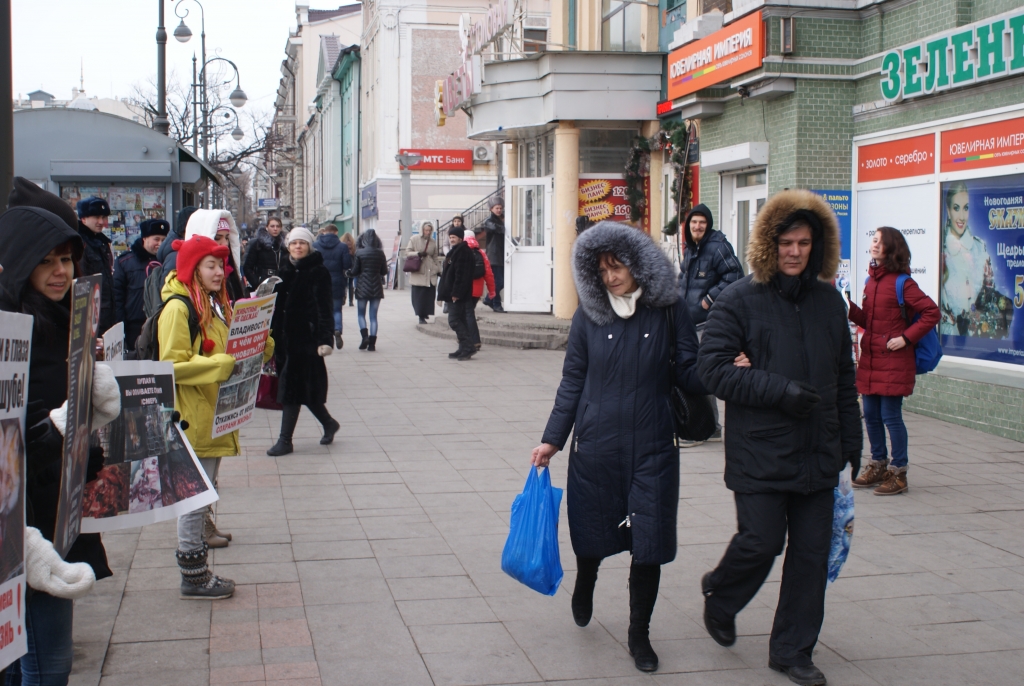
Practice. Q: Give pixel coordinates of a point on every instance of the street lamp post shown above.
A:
(182, 34)
(160, 124)
(406, 160)
(237, 98)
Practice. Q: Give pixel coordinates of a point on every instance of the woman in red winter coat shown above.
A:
(478, 290)
(886, 372)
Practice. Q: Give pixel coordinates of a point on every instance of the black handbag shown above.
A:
(693, 415)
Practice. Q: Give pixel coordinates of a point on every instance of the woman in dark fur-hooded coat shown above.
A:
(623, 485)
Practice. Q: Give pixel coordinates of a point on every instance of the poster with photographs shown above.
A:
(85, 317)
(247, 338)
(15, 342)
(129, 207)
(150, 472)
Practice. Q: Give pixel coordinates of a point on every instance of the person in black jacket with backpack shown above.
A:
(456, 289)
(777, 349)
(130, 273)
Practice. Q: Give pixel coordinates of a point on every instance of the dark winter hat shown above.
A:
(191, 253)
(27, 194)
(459, 231)
(154, 227)
(182, 221)
(93, 207)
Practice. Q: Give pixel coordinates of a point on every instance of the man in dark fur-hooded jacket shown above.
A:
(777, 349)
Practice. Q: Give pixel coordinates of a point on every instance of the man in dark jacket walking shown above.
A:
(777, 349)
(456, 288)
(337, 260)
(130, 272)
(709, 265)
(494, 228)
(266, 254)
(98, 258)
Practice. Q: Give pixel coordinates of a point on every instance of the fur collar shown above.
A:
(763, 251)
(635, 249)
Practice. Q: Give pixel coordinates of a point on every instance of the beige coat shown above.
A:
(431, 266)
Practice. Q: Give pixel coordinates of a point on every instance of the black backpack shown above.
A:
(147, 346)
(152, 303)
(479, 269)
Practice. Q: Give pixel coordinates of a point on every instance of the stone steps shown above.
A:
(521, 336)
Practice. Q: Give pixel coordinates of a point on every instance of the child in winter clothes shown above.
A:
(200, 366)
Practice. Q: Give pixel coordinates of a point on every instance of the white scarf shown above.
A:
(625, 305)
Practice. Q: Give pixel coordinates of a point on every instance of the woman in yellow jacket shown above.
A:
(200, 366)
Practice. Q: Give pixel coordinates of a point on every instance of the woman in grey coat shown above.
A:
(423, 282)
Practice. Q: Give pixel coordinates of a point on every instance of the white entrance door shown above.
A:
(749, 193)
(528, 250)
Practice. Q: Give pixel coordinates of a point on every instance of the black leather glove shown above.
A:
(853, 459)
(799, 399)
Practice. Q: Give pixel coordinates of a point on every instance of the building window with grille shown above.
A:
(620, 25)
(535, 40)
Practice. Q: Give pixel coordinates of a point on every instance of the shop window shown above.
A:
(604, 151)
(620, 25)
(535, 40)
(757, 178)
(672, 4)
(531, 160)
(549, 154)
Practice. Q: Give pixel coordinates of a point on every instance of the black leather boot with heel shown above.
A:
(643, 593)
(583, 594)
(289, 417)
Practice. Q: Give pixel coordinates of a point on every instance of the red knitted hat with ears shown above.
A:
(191, 253)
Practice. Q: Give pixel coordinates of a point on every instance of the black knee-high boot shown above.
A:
(324, 417)
(583, 594)
(643, 593)
(289, 417)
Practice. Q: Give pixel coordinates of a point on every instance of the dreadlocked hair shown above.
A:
(201, 299)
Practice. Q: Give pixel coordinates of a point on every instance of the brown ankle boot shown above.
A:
(894, 484)
(872, 475)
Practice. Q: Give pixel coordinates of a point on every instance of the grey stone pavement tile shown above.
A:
(377, 560)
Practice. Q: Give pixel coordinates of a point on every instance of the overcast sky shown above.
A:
(115, 42)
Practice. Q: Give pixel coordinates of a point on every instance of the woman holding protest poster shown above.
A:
(304, 327)
(196, 291)
(40, 253)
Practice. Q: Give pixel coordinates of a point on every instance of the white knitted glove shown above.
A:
(106, 396)
(324, 350)
(59, 417)
(48, 573)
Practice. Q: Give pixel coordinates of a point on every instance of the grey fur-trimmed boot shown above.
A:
(197, 581)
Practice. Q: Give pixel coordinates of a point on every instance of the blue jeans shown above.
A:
(361, 314)
(338, 304)
(883, 412)
(50, 648)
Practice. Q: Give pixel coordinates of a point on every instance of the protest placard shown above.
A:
(113, 342)
(150, 473)
(247, 338)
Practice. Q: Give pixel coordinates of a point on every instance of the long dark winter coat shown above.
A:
(707, 268)
(614, 397)
(98, 259)
(456, 274)
(303, 321)
(882, 371)
(27, 234)
(369, 266)
(265, 257)
(792, 329)
(337, 260)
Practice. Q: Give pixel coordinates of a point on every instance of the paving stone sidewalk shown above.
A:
(377, 560)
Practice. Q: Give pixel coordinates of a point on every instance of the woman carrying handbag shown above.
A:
(423, 267)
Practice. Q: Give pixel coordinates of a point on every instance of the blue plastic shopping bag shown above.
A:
(531, 551)
(842, 525)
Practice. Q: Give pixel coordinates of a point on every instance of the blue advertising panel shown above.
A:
(840, 201)
(982, 283)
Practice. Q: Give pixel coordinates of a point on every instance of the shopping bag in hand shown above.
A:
(531, 551)
(842, 525)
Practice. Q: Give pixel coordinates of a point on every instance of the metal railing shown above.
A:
(471, 217)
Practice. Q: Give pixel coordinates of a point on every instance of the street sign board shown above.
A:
(266, 203)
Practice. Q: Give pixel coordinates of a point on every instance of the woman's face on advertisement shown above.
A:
(958, 211)
(52, 276)
(211, 273)
(877, 249)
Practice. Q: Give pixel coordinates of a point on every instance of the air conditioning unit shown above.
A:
(483, 153)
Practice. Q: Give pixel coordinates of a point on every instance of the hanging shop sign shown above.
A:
(898, 159)
(461, 85)
(987, 145)
(986, 50)
(441, 160)
(729, 52)
(478, 35)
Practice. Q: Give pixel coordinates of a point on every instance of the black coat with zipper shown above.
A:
(98, 259)
(369, 267)
(457, 274)
(788, 335)
(708, 266)
(265, 257)
(623, 486)
(303, 321)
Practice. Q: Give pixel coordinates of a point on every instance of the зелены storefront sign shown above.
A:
(729, 52)
(989, 49)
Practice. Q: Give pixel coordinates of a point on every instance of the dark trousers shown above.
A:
(290, 417)
(457, 322)
(764, 520)
(474, 330)
(499, 283)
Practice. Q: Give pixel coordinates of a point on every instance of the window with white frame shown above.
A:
(620, 25)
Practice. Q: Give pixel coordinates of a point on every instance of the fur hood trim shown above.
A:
(205, 222)
(777, 213)
(635, 249)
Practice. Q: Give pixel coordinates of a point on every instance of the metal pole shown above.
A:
(160, 124)
(406, 226)
(195, 111)
(6, 109)
(202, 79)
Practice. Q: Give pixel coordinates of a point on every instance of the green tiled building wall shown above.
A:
(993, 409)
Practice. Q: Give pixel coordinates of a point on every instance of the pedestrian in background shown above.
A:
(709, 265)
(479, 261)
(369, 267)
(303, 327)
(219, 226)
(456, 289)
(266, 253)
(623, 487)
(777, 349)
(167, 256)
(98, 258)
(423, 281)
(337, 261)
(887, 369)
(350, 243)
(493, 231)
(130, 272)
